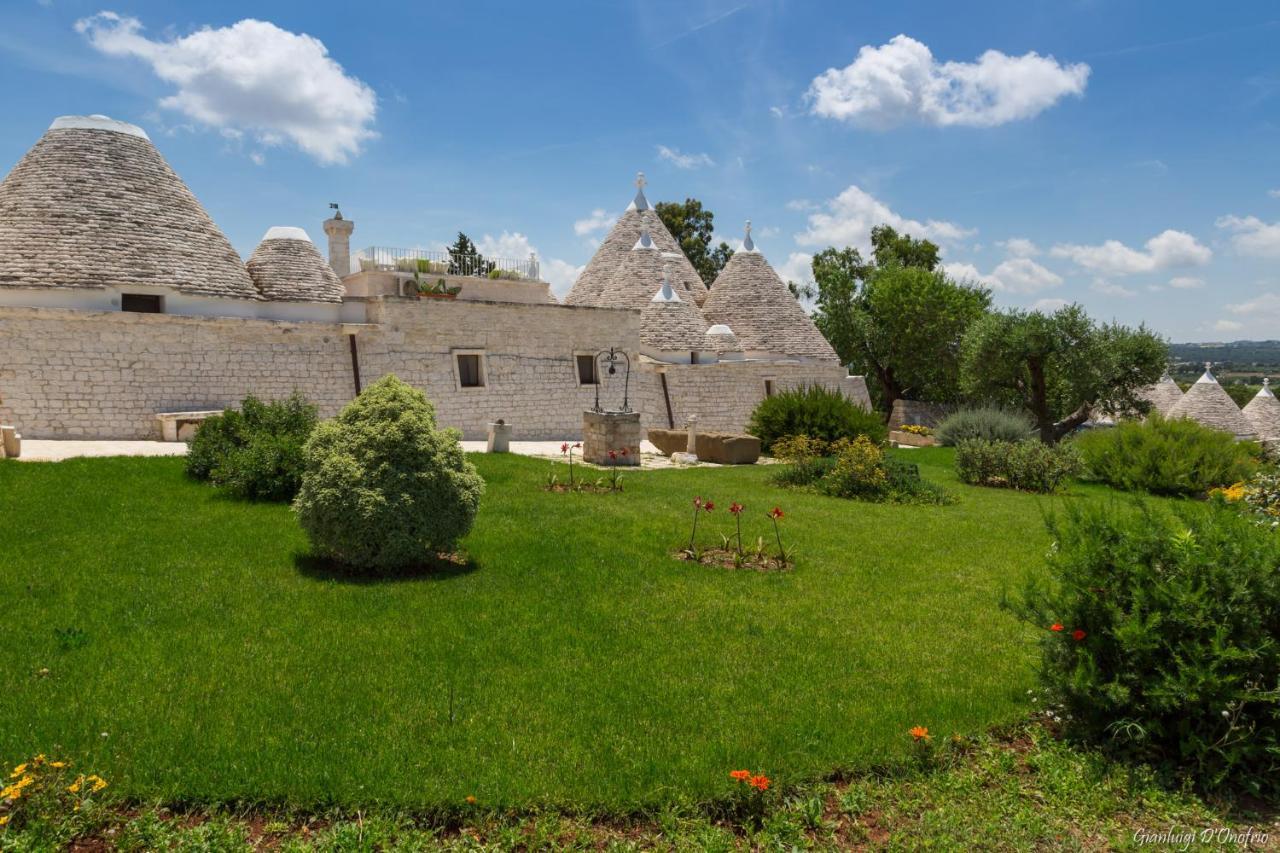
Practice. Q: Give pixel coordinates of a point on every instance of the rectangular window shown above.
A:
(142, 303)
(470, 371)
(587, 370)
(768, 387)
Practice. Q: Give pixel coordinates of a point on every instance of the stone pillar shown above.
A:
(338, 230)
(605, 431)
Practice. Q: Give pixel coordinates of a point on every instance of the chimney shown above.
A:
(338, 230)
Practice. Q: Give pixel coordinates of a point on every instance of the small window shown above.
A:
(142, 303)
(693, 357)
(587, 370)
(470, 374)
(768, 387)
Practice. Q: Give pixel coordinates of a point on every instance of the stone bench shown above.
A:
(182, 426)
(10, 442)
(722, 448)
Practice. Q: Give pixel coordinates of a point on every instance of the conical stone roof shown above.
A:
(632, 284)
(1163, 395)
(93, 204)
(1263, 413)
(671, 324)
(1207, 403)
(749, 297)
(287, 267)
(604, 264)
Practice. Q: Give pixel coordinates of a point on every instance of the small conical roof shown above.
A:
(287, 267)
(1163, 395)
(722, 340)
(604, 264)
(93, 204)
(671, 324)
(1207, 403)
(749, 297)
(1263, 413)
(632, 285)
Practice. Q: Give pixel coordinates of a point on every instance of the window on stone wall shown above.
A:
(470, 369)
(587, 369)
(768, 387)
(142, 303)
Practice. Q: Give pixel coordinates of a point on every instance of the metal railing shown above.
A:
(387, 259)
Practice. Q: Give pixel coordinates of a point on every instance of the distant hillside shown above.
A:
(1240, 361)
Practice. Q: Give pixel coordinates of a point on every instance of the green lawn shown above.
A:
(194, 654)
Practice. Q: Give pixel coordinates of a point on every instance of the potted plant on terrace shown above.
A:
(439, 290)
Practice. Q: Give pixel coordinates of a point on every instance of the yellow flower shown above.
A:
(4, 820)
(58, 764)
(98, 782)
(39, 759)
(75, 786)
(18, 771)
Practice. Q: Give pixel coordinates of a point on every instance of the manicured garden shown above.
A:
(185, 646)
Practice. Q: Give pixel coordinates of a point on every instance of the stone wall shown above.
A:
(918, 412)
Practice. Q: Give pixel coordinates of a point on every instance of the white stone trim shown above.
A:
(457, 374)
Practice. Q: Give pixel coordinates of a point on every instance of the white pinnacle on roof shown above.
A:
(645, 241)
(1207, 403)
(1163, 395)
(286, 232)
(748, 245)
(97, 122)
(669, 324)
(1263, 412)
(639, 202)
(665, 293)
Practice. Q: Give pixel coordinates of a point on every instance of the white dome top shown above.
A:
(98, 122)
(719, 329)
(286, 232)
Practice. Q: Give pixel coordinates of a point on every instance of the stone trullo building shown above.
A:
(121, 299)
(1209, 404)
(1263, 414)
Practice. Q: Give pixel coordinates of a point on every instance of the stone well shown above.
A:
(605, 431)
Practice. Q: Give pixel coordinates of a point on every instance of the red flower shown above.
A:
(736, 507)
(1056, 627)
(623, 451)
(697, 502)
(740, 775)
(1078, 635)
(775, 513)
(920, 733)
(564, 448)
(708, 506)
(613, 454)
(760, 783)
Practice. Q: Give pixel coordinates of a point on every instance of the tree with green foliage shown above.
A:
(693, 227)
(465, 258)
(1062, 368)
(896, 318)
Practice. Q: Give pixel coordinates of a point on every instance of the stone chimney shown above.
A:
(338, 230)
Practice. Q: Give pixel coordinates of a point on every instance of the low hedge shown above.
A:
(1030, 466)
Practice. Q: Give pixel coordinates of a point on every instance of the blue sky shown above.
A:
(1123, 155)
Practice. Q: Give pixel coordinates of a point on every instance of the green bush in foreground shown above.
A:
(1162, 638)
(383, 488)
(1029, 466)
(1166, 456)
(991, 424)
(814, 411)
(857, 469)
(256, 451)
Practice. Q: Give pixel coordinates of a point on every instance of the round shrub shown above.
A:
(989, 424)
(382, 487)
(1029, 465)
(255, 452)
(1166, 456)
(1159, 635)
(814, 411)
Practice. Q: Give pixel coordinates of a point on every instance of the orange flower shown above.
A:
(775, 513)
(760, 783)
(1056, 627)
(471, 800)
(740, 775)
(920, 733)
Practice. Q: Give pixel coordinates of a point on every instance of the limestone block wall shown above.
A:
(724, 394)
(86, 374)
(528, 359)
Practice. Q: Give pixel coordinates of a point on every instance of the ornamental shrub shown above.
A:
(254, 452)
(1166, 456)
(382, 487)
(1161, 638)
(987, 423)
(814, 411)
(1029, 465)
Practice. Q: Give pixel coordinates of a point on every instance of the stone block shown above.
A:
(10, 442)
(727, 448)
(668, 441)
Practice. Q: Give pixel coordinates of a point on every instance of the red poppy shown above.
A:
(736, 507)
(775, 513)
(1056, 627)
(708, 506)
(1078, 635)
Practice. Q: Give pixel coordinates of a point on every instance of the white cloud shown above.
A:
(516, 246)
(1265, 306)
(684, 161)
(801, 205)
(901, 82)
(1020, 247)
(848, 218)
(1186, 282)
(798, 268)
(1014, 275)
(251, 76)
(1166, 250)
(776, 112)
(1227, 326)
(1252, 235)
(1274, 193)
(597, 221)
(1101, 285)
(1049, 305)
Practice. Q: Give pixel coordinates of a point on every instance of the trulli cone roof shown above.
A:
(604, 264)
(633, 283)
(94, 204)
(749, 297)
(669, 323)
(287, 267)
(1263, 413)
(1207, 403)
(722, 340)
(1163, 395)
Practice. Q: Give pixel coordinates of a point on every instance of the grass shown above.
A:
(184, 646)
